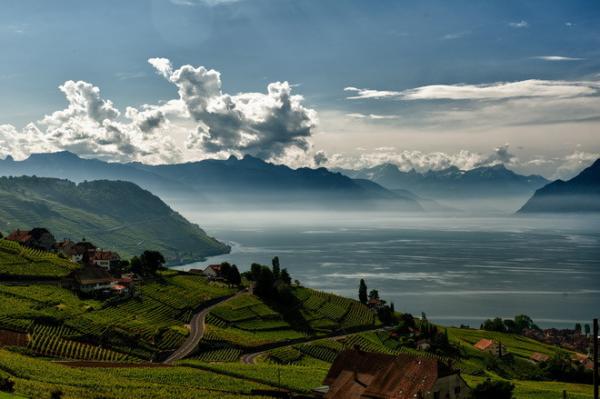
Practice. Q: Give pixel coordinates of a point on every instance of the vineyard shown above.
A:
(64, 326)
(19, 261)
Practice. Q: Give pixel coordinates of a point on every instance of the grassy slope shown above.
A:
(16, 260)
(137, 328)
(118, 215)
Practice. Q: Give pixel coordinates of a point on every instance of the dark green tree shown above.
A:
(362, 292)
(255, 269)
(285, 276)
(152, 261)
(136, 265)
(276, 267)
(523, 321)
(235, 277)
(578, 327)
(493, 390)
(264, 283)
(374, 294)
(587, 329)
(6, 384)
(56, 394)
(392, 307)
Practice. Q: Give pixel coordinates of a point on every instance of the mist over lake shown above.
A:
(455, 269)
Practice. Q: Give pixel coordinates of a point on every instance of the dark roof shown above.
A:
(106, 255)
(19, 236)
(358, 374)
(92, 275)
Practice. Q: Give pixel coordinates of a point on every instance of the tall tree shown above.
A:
(276, 267)
(362, 292)
(152, 261)
(285, 276)
(374, 294)
(235, 277)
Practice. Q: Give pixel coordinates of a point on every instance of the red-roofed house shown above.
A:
(491, 346)
(539, 357)
(38, 238)
(356, 375)
(106, 259)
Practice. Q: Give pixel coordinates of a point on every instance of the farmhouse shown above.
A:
(538, 357)
(358, 374)
(80, 252)
(213, 272)
(491, 346)
(37, 238)
(93, 278)
(105, 259)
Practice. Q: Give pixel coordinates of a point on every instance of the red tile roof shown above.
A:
(19, 236)
(358, 374)
(484, 344)
(106, 255)
(539, 357)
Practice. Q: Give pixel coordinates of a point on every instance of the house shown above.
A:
(90, 279)
(213, 272)
(538, 357)
(37, 238)
(491, 346)
(423, 344)
(583, 360)
(356, 375)
(80, 252)
(105, 259)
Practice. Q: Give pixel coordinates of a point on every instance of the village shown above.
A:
(426, 371)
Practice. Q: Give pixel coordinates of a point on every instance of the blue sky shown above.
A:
(550, 51)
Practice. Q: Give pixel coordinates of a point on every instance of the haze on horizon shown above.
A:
(352, 84)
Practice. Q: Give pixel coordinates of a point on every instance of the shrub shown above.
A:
(493, 390)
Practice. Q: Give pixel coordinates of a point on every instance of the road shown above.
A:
(197, 327)
(250, 358)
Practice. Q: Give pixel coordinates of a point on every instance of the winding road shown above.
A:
(197, 327)
(250, 358)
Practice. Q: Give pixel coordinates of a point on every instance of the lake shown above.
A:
(455, 269)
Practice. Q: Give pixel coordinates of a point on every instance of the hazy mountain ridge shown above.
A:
(240, 182)
(118, 215)
(579, 194)
(485, 181)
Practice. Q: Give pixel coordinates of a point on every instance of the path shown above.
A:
(197, 327)
(250, 358)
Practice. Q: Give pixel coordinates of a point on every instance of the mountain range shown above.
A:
(114, 215)
(453, 183)
(580, 194)
(247, 182)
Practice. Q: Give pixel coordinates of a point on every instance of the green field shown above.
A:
(19, 261)
(64, 326)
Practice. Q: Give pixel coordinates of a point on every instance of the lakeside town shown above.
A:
(424, 367)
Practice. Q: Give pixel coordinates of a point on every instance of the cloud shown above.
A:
(555, 58)
(500, 155)
(371, 116)
(210, 3)
(320, 158)
(455, 35)
(490, 91)
(261, 124)
(371, 94)
(519, 24)
(573, 163)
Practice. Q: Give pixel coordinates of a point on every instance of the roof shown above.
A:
(539, 357)
(358, 374)
(118, 287)
(215, 268)
(106, 255)
(92, 275)
(19, 235)
(484, 344)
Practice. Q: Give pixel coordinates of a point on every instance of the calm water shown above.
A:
(456, 270)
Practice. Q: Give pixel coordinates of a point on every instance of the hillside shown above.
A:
(248, 182)
(119, 215)
(481, 182)
(580, 194)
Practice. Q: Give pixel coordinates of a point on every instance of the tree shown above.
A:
(392, 307)
(152, 261)
(362, 292)
(56, 394)
(136, 265)
(285, 277)
(374, 294)
(235, 277)
(523, 322)
(276, 267)
(493, 390)
(6, 384)
(496, 324)
(587, 329)
(578, 327)
(264, 283)
(255, 269)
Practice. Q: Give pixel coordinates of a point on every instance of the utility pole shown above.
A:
(595, 377)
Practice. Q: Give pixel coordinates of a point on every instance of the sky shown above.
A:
(352, 84)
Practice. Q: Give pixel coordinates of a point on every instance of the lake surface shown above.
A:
(455, 269)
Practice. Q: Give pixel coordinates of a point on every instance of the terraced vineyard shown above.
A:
(140, 327)
(19, 261)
